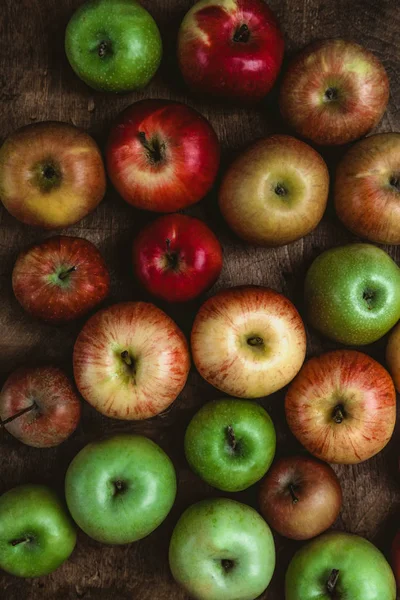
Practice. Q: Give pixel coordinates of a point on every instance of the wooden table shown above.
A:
(36, 83)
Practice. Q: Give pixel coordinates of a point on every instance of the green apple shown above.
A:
(36, 534)
(120, 489)
(230, 443)
(113, 45)
(339, 566)
(352, 294)
(222, 550)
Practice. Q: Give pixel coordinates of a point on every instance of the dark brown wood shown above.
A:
(37, 84)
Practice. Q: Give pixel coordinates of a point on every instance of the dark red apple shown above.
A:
(39, 406)
(176, 258)
(396, 558)
(162, 156)
(60, 279)
(230, 48)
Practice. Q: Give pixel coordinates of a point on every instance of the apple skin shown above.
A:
(367, 188)
(228, 344)
(393, 355)
(342, 407)
(177, 258)
(126, 39)
(162, 156)
(56, 406)
(230, 48)
(120, 489)
(352, 294)
(300, 497)
(131, 361)
(334, 92)
(275, 192)
(230, 443)
(60, 279)
(34, 516)
(396, 558)
(364, 573)
(52, 174)
(221, 549)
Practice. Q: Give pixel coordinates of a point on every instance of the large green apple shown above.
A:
(230, 443)
(222, 550)
(339, 566)
(36, 534)
(352, 294)
(120, 489)
(113, 45)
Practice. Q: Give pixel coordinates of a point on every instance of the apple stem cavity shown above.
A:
(172, 258)
(338, 414)
(280, 190)
(332, 581)
(368, 296)
(102, 49)
(331, 95)
(155, 148)
(255, 341)
(242, 34)
(18, 414)
(126, 357)
(227, 564)
(64, 274)
(22, 540)
(231, 438)
(395, 182)
(119, 486)
(293, 494)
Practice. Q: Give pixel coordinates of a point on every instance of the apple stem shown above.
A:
(331, 94)
(23, 540)
(231, 437)
(338, 414)
(18, 414)
(332, 581)
(242, 34)
(255, 341)
(102, 50)
(64, 274)
(127, 358)
(293, 494)
(155, 148)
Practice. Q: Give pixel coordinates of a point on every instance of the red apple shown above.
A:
(300, 497)
(396, 558)
(162, 155)
(230, 48)
(131, 361)
(342, 407)
(367, 188)
(60, 279)
(39, 406)
(176, 258)
(275, 192)
(248, 341)
(334, 92)
(52, 174)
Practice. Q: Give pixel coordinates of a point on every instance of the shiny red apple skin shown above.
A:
(300, 497)
(177, 257)
(367, 188)
(43, 294)
(342, 407)
(143, 335)
(57, 409)
(179, 165)
(396, 558)
(334, 92)
(213, 63)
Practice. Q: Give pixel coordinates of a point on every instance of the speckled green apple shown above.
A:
(113, 45)
(352, 294)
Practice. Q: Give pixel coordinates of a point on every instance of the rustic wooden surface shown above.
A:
(37, 84)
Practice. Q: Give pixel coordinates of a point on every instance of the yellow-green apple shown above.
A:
(342, 407)
(396, 558)
(248, 341)
(162, 155)
(51, 174)
(393, 355)
(131, 361)
(334, 92)
(60, 279)
(275, 192)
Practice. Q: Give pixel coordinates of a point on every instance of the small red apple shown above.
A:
(396, 558)
(342, 407)
(60, 279)
(162, 156)
(176, 258)
(39, 406)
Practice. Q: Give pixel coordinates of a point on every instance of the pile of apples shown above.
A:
(131, 361)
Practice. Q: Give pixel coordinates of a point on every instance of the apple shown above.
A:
(393, 355)
(52, 174)
(176, 258)
(300, 497)
(352, 294)
(248, 341)
(36, 534)
(120, 489)
(230, 48)
(334, 92)
(131, 361)
(230, 443)
(113, 45)
(396, 558)
(339, 565)
(60, 279)
(221, 549)
(367, 188)
(162, 155)
(342, 407)
(275, 192)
